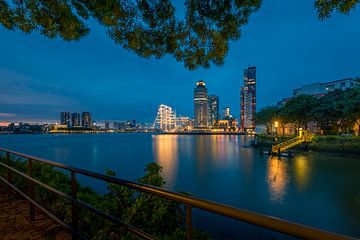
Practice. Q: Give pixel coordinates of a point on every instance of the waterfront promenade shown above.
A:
(15, 224)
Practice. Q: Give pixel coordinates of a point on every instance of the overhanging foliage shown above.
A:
(148, 27)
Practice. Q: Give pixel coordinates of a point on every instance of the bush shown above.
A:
(336, 144)
(159, 217)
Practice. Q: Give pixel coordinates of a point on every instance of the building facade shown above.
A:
(65, 118)
(183, 122)
(320, 89)
(201, 107)
(248, 100)
(75, 120)
(107, 125)
(86, 120)
(226, 113)
(165, 118)
(213, 111)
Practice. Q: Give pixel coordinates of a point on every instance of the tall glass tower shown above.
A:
(65, 118)
(200, 105)
(86, 120)
(213, 102)
(248, 100)
(75, 119)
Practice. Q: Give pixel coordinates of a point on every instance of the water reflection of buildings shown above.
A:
(277, 178)
(165, 148)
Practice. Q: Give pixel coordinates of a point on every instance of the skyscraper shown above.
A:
(86, 120)
(213, 102)
(200, 105)
(65, 118)
(248, 100)
(75, 119)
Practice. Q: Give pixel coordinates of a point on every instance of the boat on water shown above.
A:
(287, 154)
(265, 152)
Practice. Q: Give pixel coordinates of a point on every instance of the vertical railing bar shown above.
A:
(189, 228)
(74, 207)
(31, 190)
(9, 173)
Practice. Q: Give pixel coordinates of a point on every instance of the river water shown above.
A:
(316, 190)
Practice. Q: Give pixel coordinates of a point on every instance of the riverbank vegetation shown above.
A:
(345, 146)
(337, 112)
(337, 145)
(159, 217)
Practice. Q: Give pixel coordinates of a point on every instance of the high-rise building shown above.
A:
(75, 119)
(248, 100)
(107, 125)
(165, 118)
(226, 113)
(200, 105)
(213, 102)
(86, 120)
(65, 118)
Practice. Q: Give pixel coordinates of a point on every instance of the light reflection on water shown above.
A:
(165, 149)
(277, 178)
(316, 190)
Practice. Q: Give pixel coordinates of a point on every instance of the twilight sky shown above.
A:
(285, 40)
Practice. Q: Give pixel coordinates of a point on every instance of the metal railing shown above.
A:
(305, 137)
(272, 223)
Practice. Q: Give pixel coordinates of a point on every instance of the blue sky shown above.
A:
(285, 40)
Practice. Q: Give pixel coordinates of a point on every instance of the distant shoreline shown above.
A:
(199, 133)
(155, 133)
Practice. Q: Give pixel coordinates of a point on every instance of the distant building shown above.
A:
(248, 100)
(200, 105)
(320, 89)
(107, 125)
(75, 120)
(65, 118)
(213, 102)
(132, 124)
(229, 124)
(165, 118)
(119, 125)
(282, 102)
(183, 121)
(226, 113)
(86, 120)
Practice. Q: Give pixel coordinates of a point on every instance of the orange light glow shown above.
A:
(4, 124)
(166, 154)
(277, 178)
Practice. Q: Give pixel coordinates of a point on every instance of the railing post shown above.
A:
(9, 173)
(74, 207)
(189, 228)
(31, 190)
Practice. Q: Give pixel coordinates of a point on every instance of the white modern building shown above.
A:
(165, 119)
(320, 89)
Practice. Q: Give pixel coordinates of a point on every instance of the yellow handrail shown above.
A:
(305, 136)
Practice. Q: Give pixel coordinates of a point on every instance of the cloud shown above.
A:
(22, 97)
(7, 115)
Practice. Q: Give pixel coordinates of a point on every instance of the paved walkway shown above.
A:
(15, 224)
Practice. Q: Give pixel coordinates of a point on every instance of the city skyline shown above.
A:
(40, 77)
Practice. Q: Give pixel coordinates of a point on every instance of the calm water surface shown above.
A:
(315, 190)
